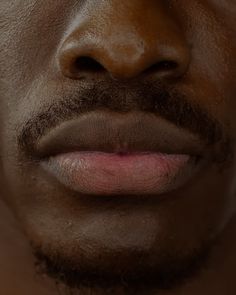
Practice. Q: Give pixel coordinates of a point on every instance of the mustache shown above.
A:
(155, 98)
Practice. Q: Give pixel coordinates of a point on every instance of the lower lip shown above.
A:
(98, 173)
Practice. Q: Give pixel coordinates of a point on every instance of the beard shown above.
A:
(171, 271)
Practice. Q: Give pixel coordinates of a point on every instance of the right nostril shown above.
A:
(86, 64)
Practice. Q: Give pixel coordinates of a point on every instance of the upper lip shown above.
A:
(119, 133)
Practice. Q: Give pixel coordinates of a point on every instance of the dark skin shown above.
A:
(60, 60)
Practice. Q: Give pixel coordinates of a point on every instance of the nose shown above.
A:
(125, 44)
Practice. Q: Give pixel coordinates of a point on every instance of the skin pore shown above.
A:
(124, 78)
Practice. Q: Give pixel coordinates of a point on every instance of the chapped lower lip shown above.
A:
(99, 173)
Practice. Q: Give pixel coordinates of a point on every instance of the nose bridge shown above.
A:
(125, 40)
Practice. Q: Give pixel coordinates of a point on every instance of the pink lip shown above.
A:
(100, 173)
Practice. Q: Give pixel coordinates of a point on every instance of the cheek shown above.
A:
(29, 37)
(211, 34)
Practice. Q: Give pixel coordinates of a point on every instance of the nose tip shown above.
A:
(126, 57)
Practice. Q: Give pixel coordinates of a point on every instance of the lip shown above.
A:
(104, 153)
(97, 173)
(116, 133)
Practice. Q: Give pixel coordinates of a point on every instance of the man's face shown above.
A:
(118, 133)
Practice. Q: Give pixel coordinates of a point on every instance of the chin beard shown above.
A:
(171, 272)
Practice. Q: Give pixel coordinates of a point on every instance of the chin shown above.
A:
(130, 269)
(110, 243)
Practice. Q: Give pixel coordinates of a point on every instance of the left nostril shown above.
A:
(164, 66)
(167, 65)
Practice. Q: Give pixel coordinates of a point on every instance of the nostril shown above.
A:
(167, 65)
(86, 64)
(164, 66)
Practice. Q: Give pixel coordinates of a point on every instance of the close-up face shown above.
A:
(118, 134)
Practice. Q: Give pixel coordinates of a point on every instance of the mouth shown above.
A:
(104, 153)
